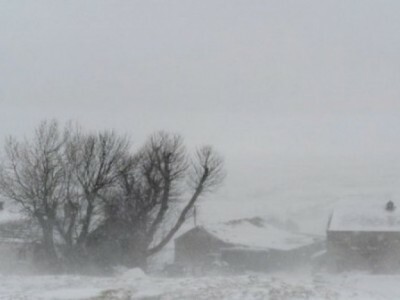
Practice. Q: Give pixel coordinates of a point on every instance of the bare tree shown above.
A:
(95, 159)
(157, 181)
(33, 176)
(205, 174)
(90, 190)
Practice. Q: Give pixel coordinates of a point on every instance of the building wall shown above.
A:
(375, 251)
(269, 260)
(247, 259)
(197, 249)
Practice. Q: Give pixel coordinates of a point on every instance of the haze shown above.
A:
(265, 82)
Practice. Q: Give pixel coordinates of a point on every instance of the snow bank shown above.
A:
(130, 275)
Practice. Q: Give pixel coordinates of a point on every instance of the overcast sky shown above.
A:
(257, 79)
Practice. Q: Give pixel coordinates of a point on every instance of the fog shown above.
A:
(261, 81)
(301, 98)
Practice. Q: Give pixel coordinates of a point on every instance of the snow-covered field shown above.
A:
(305, 196)
(134, 285)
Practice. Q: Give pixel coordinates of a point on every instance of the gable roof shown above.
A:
(368, 216)
(7, 215)
(200, 232)
(257, 235)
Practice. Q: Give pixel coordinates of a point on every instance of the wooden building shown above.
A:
(242, 246)
(364, 236)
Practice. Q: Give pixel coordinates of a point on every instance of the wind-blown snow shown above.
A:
(276, 286)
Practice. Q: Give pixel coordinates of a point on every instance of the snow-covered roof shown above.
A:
(257, 235)
(365, 216)
(10, 216)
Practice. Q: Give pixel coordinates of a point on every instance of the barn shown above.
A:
(247, 244)
(364, 236)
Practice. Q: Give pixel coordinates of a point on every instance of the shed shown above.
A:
(364, 235)
(244, 245)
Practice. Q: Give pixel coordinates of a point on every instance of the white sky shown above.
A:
(257, 79)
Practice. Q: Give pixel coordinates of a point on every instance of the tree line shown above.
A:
(96, 201)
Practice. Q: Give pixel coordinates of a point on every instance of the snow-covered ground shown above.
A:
(134, 285)
(304, 195)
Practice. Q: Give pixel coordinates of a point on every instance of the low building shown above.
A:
(364, 236)
(17, 243)
(247, 244)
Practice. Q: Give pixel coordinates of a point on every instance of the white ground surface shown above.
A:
(305, 195)
(133, 285)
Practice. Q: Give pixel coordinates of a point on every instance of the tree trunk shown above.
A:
(46, 253)
(86, 223)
